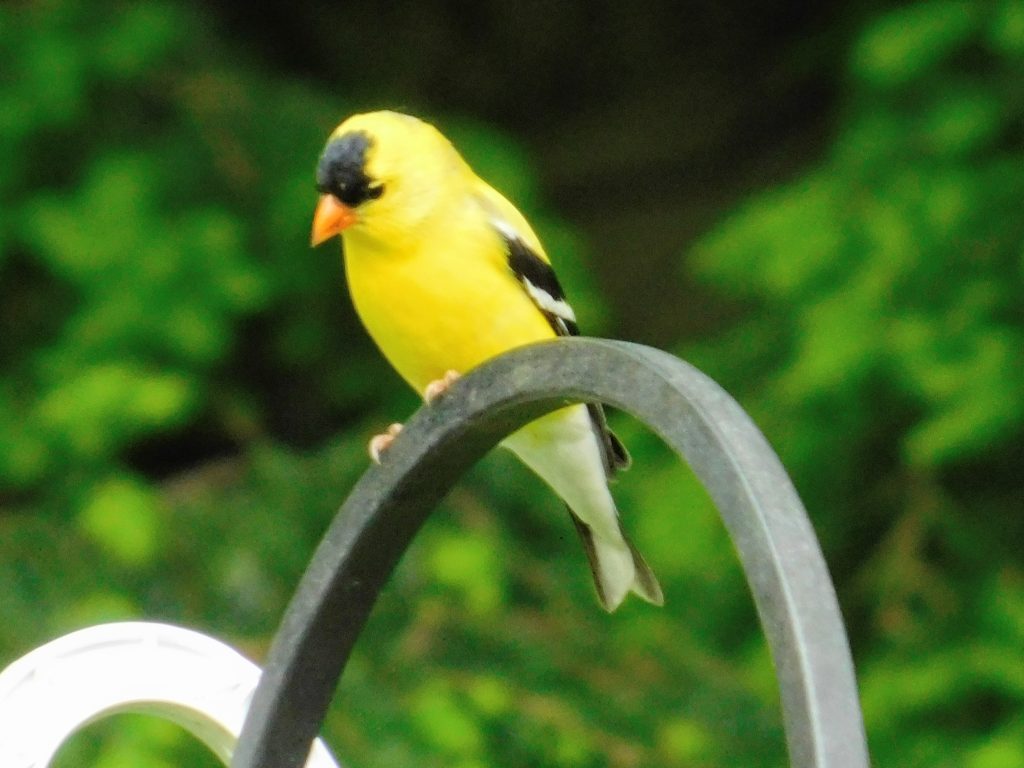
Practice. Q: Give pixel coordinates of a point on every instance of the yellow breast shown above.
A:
(448, 301)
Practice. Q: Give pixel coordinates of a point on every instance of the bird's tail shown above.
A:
(617, 567)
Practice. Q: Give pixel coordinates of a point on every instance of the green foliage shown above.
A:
(133, 740)
(904, 45)
(888, 284)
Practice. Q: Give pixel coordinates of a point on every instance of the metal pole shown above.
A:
(758, 504)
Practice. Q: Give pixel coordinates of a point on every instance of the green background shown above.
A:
(822, 208)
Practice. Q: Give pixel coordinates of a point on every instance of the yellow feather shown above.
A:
(405, 299)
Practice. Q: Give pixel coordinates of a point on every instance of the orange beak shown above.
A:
(332, 217)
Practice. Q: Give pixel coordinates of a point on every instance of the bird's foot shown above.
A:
(437, 388)
(380, 443)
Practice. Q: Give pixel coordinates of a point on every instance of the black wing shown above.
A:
(541, 284)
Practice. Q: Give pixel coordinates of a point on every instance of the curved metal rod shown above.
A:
(761, 510)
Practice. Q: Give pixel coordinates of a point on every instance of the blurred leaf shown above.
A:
(1007, 29)
(906, 42)
(881, 355)
(96, 410)
(443, 721)
(470, 564)
(120, 516)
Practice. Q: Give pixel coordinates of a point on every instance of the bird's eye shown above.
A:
(375, 191)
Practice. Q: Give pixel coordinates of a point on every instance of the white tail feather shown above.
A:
(563, 450)
(614, 569)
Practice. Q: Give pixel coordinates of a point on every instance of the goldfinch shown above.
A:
(445, 274)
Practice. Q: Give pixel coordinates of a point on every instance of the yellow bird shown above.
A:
(445, 274)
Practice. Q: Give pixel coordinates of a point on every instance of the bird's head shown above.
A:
(380, 175)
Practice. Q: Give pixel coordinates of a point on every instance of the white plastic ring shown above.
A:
(178, 674)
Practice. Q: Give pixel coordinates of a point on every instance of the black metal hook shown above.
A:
(779, 552)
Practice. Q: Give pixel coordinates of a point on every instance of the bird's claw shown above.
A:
(438, 387)
(380, 443)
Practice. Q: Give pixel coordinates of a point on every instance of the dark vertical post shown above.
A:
(768, 524)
